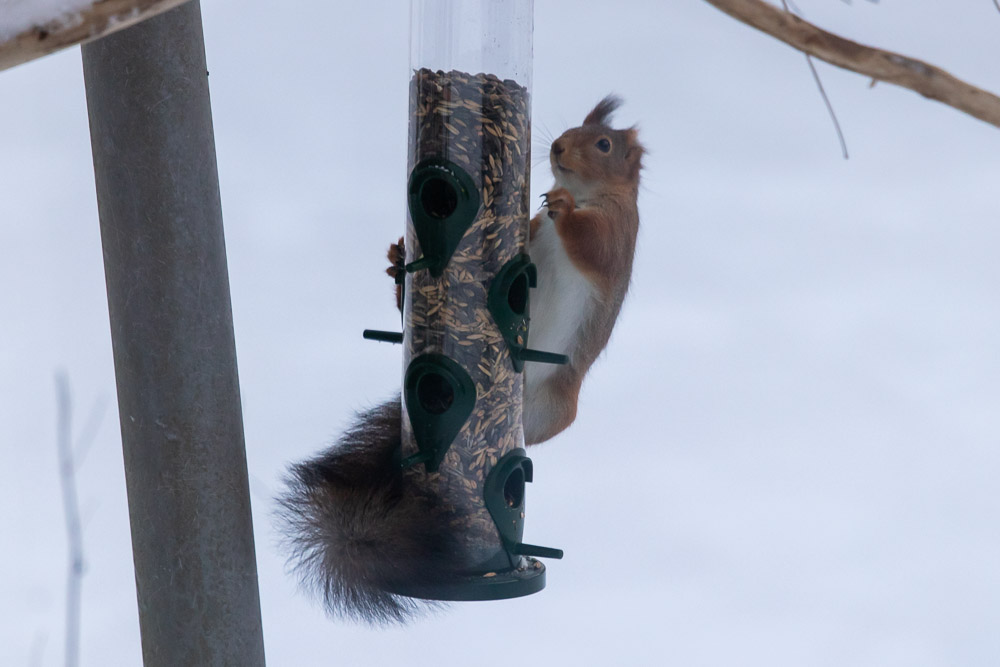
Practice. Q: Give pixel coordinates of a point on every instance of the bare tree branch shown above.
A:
(930, 81)
(74, 532)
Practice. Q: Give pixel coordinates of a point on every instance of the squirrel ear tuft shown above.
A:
(602, 112)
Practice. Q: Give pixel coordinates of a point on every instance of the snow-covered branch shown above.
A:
(50, 27)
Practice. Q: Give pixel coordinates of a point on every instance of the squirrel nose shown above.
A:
(557, 148)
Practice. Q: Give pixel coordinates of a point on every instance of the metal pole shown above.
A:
(174, 350)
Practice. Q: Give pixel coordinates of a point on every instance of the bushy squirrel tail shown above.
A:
(353, 528)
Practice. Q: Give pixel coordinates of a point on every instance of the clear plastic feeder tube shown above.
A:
(473, 36)
(468, 204)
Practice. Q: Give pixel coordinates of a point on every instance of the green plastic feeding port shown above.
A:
(504, 497)
(509, 302)
(439, 397)
(443, 202)
(512, 572)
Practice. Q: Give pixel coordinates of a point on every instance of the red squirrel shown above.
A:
(352, 526)
(582, 243)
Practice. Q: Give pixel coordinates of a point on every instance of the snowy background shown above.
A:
(790, 454)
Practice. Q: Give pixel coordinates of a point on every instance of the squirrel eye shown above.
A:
(603, 145)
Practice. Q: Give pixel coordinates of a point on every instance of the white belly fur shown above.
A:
(558, 305)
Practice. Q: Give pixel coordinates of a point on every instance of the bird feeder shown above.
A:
(467, 283)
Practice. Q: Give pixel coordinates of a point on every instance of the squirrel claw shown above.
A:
(559, 202)
(397, 268)
(397, 261)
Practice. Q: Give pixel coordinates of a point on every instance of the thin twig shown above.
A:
(37, 649)
(74, 531)
(822, 90)
(930, 81)
(829, 107)
(88, 433)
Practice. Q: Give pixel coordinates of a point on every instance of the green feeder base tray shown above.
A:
(513, 583)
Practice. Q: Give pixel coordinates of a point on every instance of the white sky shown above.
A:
(789, 455)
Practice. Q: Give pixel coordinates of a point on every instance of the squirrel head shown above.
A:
(596, 157)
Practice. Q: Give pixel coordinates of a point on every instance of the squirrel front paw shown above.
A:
(397, 268)
(559, 202)
(397, 261)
